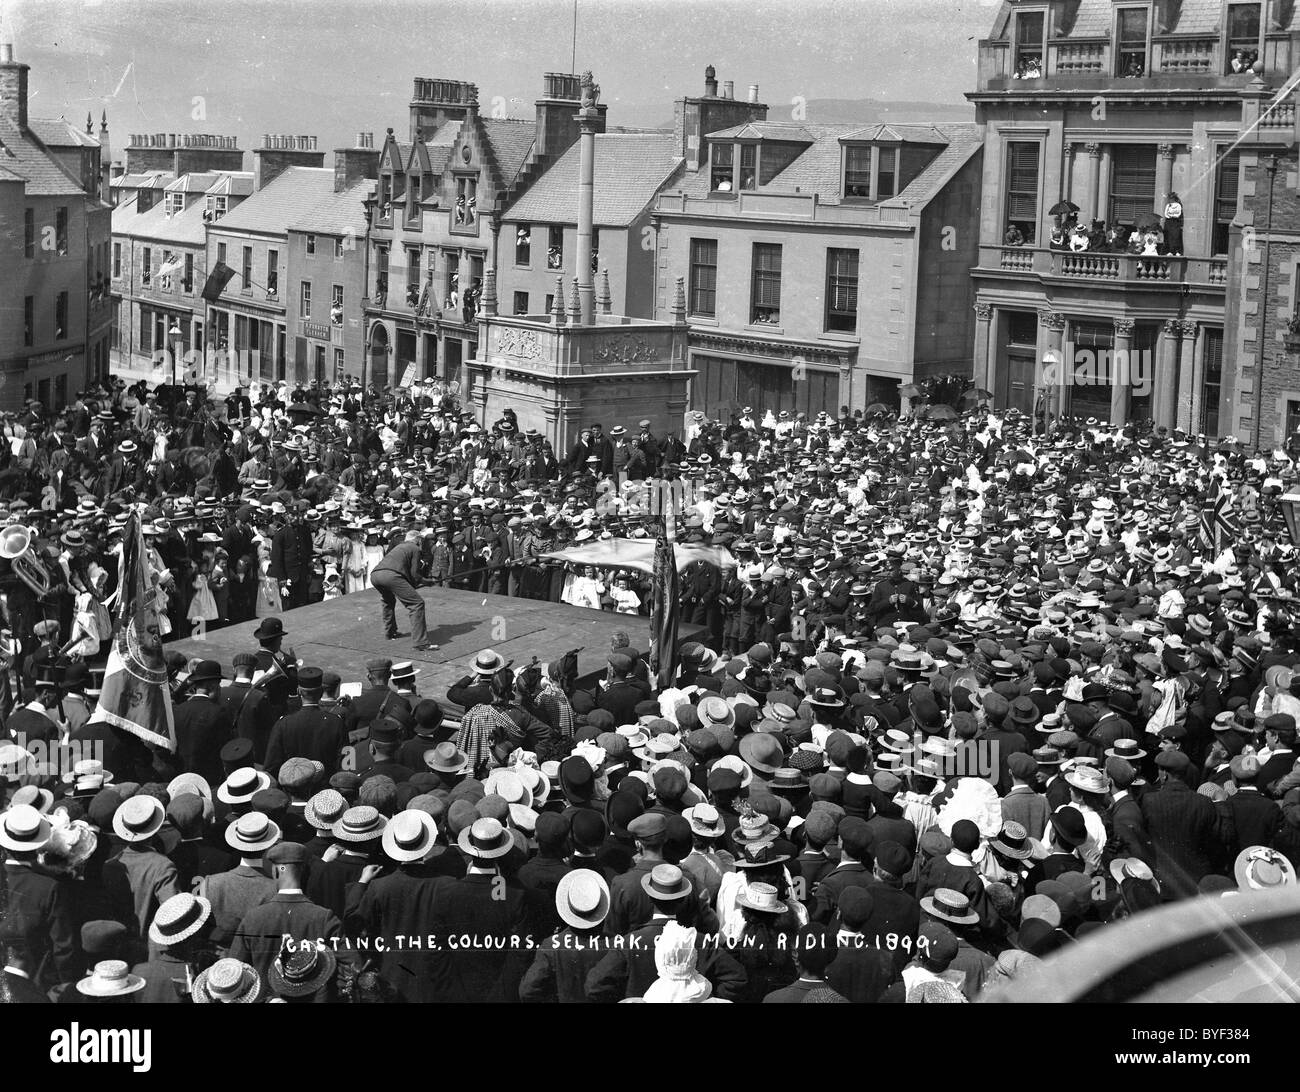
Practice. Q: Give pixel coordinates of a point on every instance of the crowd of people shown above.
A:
(957, 696)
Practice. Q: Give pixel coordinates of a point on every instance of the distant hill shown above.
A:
(816, 111)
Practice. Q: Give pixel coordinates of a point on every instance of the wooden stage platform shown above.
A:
(342, 634)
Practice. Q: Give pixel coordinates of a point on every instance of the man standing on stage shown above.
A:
(397, 576)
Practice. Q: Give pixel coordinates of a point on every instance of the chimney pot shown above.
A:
(753, 92)
(728, 89)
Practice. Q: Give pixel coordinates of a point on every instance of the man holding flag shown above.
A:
(135, 698)
(663, 609)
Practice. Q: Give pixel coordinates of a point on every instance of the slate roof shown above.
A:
(58, 133)
(818, 168)
(183, 228)
(511, 141)
(28, 158)
(144, 180)
(630, 168)
(280, 202)
(1096, 18)
(335, 213)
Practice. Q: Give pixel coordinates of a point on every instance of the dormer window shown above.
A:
(748, 166)
(1131, 29)
(721, 167)
(175, 202)
(857, 171)
(1031, 44)
(216, 207)
(1243, 40)
(870, 171)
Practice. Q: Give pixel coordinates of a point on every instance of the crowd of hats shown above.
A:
(943, 582)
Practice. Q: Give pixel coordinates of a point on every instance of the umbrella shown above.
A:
(1061, 208)
(1148, 221)
(939, 413)
(307, 408)
(877, 407)
(976, 395)
(911, 390)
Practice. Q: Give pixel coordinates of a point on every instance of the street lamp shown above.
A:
(175, 334)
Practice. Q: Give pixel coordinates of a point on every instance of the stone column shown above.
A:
(1067, 171)
(1164, 174)
(982, 364)
(1164, 398)
(1052, 327)
(1119, 390)
(1191, 332)
(1092, 194)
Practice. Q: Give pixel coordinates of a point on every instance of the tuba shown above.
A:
(16, 548)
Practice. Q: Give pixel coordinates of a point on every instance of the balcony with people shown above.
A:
(1118, 47)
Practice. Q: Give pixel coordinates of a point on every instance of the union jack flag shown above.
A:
(1218, 527)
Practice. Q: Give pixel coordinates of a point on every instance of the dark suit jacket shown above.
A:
(203, 727)
(1129, 836)
(161, 975)
(41, 912)
(622, 698)
(1255, 819)
(862, 972)
(263, 929)
(310, 732)
(472, 906)
(399, 903)
(894, 922)
(560, 968)
(793, 994)
(365, 707)
(250, 713)
(827, 896)
(1278, 766)
(1183, 827)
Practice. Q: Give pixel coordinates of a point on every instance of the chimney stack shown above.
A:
(13, 84)
(280, 152)
(353, 165)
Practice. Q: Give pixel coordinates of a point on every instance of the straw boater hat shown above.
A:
(950, 906)
(227, 982)
(242, 785)
(302, 971)
(139, 819)
(252, 834)
(409, 836)
(179, 918)
(111, 978)
(485, 839)
(360, 824)
(582, 898)
(1259, 868)
(24, 829)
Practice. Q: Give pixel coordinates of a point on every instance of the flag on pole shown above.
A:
(1217, 525)
(217, 281)
(663, 610)
(135, 696)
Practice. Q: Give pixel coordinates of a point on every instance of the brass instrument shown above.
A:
(16, 548)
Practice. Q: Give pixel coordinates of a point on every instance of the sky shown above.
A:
(335, 67)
